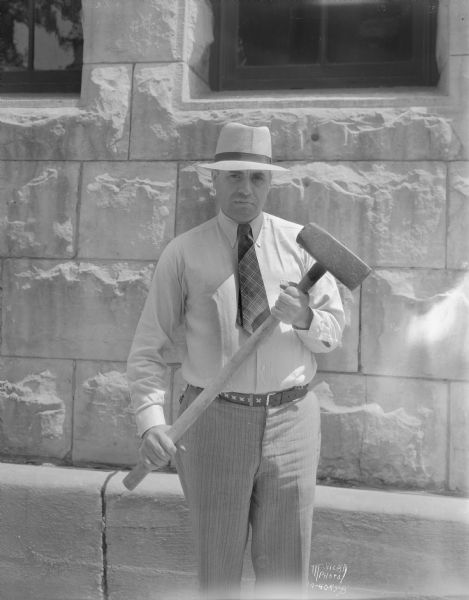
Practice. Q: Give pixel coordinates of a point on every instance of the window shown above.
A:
(41, 46)
(301, 44)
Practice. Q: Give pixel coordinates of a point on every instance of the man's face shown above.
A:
(241, 195)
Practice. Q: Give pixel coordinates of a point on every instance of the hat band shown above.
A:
(246, 156)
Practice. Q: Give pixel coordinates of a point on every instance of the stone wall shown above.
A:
(91, 190)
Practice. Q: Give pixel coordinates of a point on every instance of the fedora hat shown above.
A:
(243, 148)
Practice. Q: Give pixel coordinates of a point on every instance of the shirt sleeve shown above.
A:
(146, 366)
(325, 331)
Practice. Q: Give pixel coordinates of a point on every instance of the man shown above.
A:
(251, 458)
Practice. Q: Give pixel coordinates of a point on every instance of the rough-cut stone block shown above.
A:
(390, 214)
(415, 323)
(127, 210)
(405, 437)
(458, 216)
(459, 437)
(154, 126)
(35, 407)
(126, 32)
(148, 532)
(96, 129)
(37, 208)
(51, 542)
(343, 421)
(70, 310)
(381, 134)
(383, 431)
(104, 427)
(164, 128)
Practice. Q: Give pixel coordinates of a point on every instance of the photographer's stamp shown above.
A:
(328, 577)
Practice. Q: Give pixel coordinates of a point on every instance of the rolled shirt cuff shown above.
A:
(320, 336)
(151, 416)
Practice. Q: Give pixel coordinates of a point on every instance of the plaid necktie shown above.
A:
(253, 307)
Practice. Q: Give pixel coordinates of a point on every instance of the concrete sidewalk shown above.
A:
(77, 534)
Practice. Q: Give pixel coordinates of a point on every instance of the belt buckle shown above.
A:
(269, 394)
(251, 400)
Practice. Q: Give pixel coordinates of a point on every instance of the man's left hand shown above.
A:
(292, 307)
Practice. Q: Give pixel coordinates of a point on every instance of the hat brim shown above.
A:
(240, 165)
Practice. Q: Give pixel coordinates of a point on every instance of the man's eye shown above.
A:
(258, 177)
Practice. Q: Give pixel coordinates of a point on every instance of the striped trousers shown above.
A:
(251, 467)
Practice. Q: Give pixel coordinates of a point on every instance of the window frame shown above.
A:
(58, 81)
(225, 75)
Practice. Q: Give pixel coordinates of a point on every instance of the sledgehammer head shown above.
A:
(333, 256)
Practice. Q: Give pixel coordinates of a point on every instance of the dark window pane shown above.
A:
(320, 44)
(370, 32)
(278, 32)
(13, 35)
(58, 36)
(41, 46)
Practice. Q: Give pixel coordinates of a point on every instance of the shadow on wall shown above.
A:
(403, 424)
(442, 325)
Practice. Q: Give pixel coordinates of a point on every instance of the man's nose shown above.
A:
(245, 186)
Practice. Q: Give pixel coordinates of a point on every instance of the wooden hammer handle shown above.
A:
(206, 396)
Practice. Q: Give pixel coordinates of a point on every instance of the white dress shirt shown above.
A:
(195, 284)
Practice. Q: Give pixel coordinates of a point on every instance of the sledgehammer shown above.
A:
(330, 255)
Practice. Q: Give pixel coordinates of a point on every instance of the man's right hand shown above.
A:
(157, 447)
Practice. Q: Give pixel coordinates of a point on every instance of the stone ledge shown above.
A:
(94, 128)
(57, 522)
(407, 545)
(51, 533)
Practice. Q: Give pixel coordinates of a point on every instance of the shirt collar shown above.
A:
(230, 227)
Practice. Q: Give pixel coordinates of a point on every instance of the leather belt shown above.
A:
(260, 400)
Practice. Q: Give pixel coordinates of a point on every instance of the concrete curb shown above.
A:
(77, 534)
(51, 533)
(394, 542)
